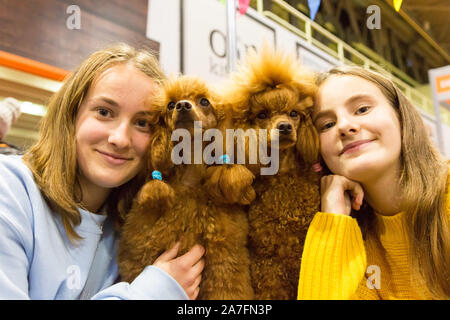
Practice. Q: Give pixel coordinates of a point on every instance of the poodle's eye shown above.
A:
(262, 115)
(204, 102)
(171, 105)
(294, 114)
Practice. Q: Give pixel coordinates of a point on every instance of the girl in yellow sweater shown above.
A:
(383, 230)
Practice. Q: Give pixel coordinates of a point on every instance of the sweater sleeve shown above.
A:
(334, 259)
(152, 284)
(16, 241)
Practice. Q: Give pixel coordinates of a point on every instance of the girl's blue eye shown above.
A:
(327, 126)
(362, 110)
(143, 124)
(103, 112)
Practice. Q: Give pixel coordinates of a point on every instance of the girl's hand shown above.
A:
(340, 195)
(186, 269)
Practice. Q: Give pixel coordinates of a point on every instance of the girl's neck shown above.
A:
(383, 193)
(93, 196)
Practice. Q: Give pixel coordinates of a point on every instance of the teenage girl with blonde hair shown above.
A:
(61, 202)
(383, 230)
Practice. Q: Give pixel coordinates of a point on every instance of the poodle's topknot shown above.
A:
(184, 87)
(266, 70)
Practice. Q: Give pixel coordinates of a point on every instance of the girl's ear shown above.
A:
(308, 140)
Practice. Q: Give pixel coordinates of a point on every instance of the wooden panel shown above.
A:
(24, 92)
(36, 29)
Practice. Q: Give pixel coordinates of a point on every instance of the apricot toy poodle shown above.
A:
(194, 203)
(272, 91)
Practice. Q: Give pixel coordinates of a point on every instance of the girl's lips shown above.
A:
(113, 159)
(355, 146)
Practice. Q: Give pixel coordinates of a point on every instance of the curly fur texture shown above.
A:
(194, 204)
(271, 90)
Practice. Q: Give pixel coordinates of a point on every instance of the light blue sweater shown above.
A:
(37, 261)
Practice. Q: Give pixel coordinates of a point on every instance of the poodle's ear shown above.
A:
(220, 107)
(234, 101)
(158, 153)
(307, 139)
(160, 148)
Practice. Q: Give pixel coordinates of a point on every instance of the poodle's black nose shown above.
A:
(284, 127)
(183, 106)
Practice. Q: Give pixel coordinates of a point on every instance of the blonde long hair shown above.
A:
(53, 159)
(423, 180)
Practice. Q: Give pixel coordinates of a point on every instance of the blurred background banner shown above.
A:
(440, 90)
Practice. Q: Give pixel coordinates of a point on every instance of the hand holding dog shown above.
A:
(334, 195)
(186, 269)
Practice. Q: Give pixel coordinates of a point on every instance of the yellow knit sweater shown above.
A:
(335, 265)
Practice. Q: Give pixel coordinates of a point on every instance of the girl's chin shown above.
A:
(361, 169)
(352, 168)
(115, 184)
(113, 177)
(111, 181)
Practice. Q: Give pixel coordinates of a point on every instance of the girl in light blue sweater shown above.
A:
(61, 203)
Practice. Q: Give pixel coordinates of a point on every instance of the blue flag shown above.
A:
(313, 8)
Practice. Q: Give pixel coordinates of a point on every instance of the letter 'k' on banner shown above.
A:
(313, 8)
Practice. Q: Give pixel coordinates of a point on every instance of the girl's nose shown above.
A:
(348, 126)
(119, 136)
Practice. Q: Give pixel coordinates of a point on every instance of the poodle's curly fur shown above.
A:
(271, 90)
(194, 204)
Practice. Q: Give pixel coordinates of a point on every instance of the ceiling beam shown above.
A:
(422, 32)
(428, 8)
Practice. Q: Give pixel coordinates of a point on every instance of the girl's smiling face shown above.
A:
(112, 127)
(359, 130)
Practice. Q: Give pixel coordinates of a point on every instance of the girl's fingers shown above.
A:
(357, 193)
(169, 254)
(197, 281)
(191, 257)
(340, 194)
(195, 288)
(356, 206)
(195, 294)
(198, 268)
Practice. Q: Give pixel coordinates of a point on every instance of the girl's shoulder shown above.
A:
(13, 165)
(19, 196)
(17, 186)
